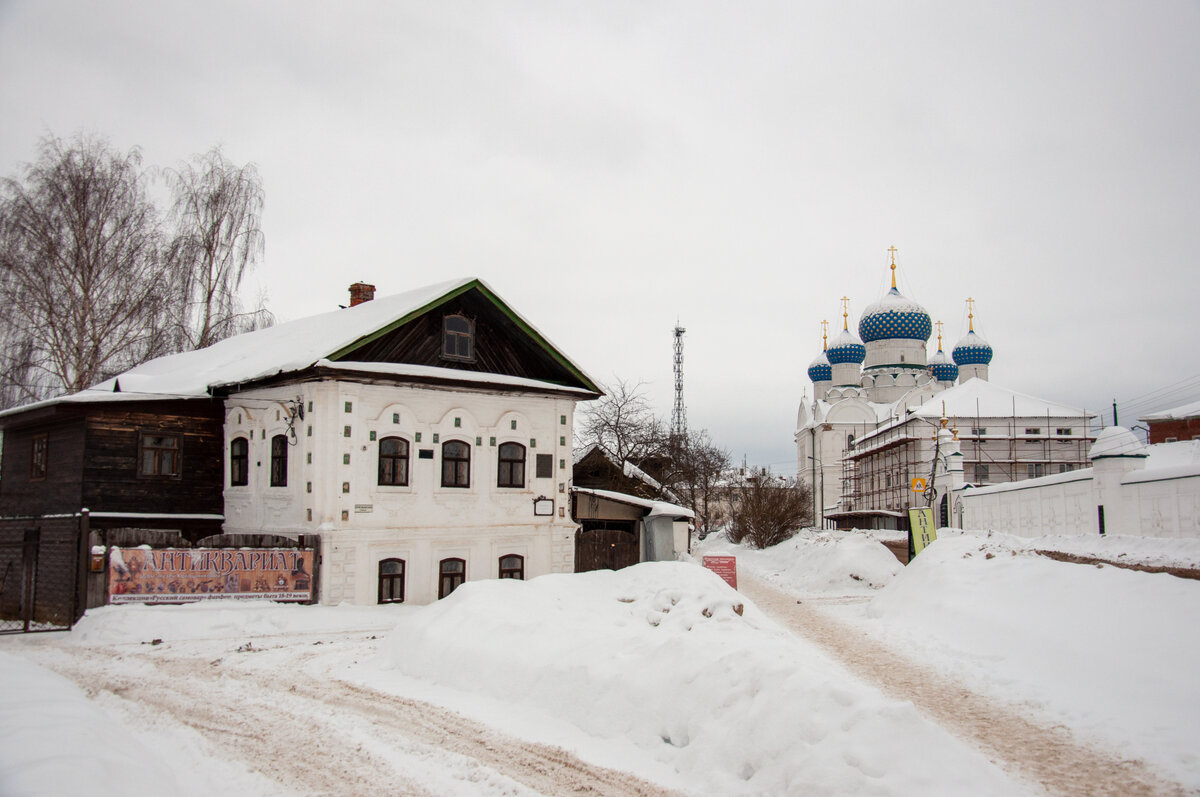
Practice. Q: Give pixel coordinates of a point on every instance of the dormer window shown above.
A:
(458, 338)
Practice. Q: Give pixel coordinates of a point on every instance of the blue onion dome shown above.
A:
(846, 348)
(942, 368)
(895, 316)
(819, 370)
(972, 350)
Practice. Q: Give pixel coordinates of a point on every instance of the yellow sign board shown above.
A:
(918, 485)
(921, 530)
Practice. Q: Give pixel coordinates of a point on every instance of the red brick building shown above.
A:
(1180, 423)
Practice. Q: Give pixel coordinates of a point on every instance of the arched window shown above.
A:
(456, 464)
(393, 461)
(512, 566)
(512, 465)
(458, 336)
(391, 581)
(279, 457)
(451, 574)
(239, 462)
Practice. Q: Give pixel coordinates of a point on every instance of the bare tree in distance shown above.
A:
(698, 475)
(767, 509)
(81, 274)
(690, 470)
(621, 420)
(217, 241)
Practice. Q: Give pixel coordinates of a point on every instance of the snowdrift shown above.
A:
(667, 657)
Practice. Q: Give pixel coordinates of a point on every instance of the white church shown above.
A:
(869, 435)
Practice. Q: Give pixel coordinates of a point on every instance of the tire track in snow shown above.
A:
(1048, 755)
(335, 738)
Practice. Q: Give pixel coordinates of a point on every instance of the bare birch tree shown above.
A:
(217, 241)
(81, 275)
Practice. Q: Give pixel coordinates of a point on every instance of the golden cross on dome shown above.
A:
(970, 314)
(939, 326)
(845, 313)
(824, 335)
(892, 249)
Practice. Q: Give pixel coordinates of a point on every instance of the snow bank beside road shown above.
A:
(1111, 653)
(814, 562)
(659, 656)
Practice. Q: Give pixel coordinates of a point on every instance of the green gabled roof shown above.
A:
(484, 290)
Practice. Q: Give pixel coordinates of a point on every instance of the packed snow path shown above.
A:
(311, 734)
(1048, 755)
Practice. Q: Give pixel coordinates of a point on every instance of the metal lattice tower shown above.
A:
(679, 413)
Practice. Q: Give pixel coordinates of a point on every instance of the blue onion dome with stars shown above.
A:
(942, 368)
(846, 348)
(819, 370)
(895, 316)
(972, 349)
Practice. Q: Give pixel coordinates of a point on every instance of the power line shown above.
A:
(1149, 396)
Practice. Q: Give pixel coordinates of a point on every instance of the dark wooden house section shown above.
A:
(69, 456)
(597, 470)
(501, 344)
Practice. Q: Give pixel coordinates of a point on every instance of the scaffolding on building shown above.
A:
(881, 462)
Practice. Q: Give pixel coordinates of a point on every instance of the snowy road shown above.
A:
(1045, 754)
(264, 706)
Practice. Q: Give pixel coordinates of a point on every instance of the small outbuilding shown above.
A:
(617, 530)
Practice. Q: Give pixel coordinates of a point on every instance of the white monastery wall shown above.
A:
(1136, 503)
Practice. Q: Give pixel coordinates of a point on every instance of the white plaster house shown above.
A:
(425, 436)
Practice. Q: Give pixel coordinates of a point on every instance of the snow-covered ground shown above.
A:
(659, 670)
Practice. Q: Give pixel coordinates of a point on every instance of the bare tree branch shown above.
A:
(218, 240)
(83, 281)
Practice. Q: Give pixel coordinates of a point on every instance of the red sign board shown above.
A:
(177, 575)
(723, 566)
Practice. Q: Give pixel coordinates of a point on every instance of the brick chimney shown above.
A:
(361, 292)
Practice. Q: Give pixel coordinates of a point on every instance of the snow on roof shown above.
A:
(1191, 410)
(1183, 453)
(983, 399)
(1168, 461)
(628, 469)
(286, 347)
(265, 352)
(432, 371)
(1117, 441)
(657, 508)
(1083, 474)
(1164, 461)
(631, 471)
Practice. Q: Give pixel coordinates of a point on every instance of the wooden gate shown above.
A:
(606, 545)
(42, 572)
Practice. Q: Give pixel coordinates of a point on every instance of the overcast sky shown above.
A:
(611, 167)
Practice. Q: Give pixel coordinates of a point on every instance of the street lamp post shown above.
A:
(817, 462)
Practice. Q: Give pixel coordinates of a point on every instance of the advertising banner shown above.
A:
(178, 575)
(921, 529)
(723, 566)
